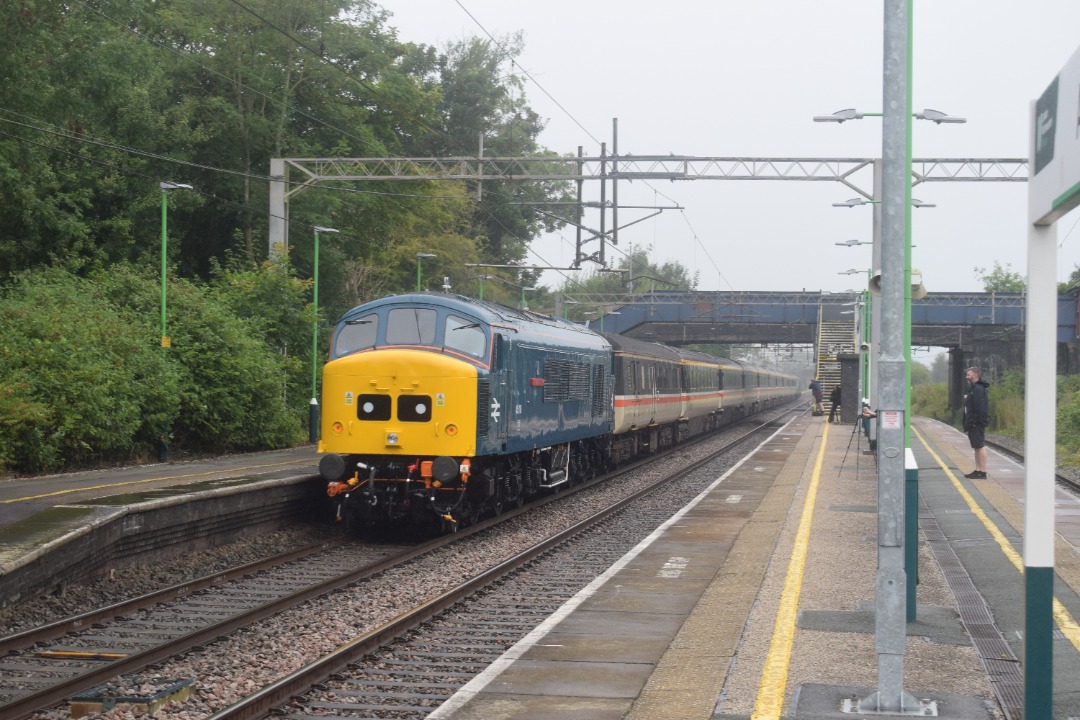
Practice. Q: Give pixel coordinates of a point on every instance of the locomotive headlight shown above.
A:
(391, 438)
(451, 430)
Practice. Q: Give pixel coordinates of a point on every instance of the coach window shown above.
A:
(411, 326)
(357, 334)
(465, 336)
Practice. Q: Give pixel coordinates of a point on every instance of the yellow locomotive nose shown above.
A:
(399, 402)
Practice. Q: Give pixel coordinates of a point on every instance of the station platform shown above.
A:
(757, 599)
(76, 525)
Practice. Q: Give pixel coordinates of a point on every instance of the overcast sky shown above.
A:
(744, 79)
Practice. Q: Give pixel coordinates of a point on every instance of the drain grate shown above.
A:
(1002, 666)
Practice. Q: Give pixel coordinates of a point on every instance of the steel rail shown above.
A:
(300, 681)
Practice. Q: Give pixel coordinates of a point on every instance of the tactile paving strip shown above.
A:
(1002, 666)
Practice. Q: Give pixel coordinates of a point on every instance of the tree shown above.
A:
(920, 374)
(1001, 279)
(1071, 284)
(939, 368)
(636, 268)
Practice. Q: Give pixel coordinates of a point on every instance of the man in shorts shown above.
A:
(976, 418)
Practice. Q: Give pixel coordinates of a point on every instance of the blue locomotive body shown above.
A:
(441, 407)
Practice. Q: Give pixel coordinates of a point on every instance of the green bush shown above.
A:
(230, 393)
(81, 382)
(233, 387)
(85, 379)
(931, 400)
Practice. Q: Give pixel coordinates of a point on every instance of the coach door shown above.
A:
(496, 411)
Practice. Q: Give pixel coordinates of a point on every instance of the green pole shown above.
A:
(315, 321)
(164, 262)
(481, 287)
(417, 273)
(313, 406)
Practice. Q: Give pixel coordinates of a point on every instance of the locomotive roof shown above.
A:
(622, 343)
(527, 323)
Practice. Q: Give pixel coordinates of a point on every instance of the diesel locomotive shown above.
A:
(441, 408)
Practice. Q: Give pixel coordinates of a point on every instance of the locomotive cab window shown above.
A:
(465, 336)
(358, 334)
(411, 326)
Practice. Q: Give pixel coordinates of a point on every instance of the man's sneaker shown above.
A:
(976, 475)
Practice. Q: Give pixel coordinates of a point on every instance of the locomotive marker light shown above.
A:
(420, 255)
(313, 406)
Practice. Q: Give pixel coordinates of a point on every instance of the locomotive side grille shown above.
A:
(565, 380)
(483, 399)
(599, 391)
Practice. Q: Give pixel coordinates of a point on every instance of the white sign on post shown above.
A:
(1054, 188)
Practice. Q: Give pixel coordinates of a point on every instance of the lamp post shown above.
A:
(420, 255)
(313, 406)
(166, 187)
(482, 278)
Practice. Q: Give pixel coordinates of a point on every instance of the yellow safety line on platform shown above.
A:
(137, 482)
(770, 697)
(1065, 621)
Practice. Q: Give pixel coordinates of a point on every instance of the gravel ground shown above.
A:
(234, 667)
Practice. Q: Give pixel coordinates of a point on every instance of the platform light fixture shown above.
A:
(854, 202)
(935, 116)
(419, 257)
(166, 188)
(313, 405)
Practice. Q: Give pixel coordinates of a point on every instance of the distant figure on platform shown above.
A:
(976, 418)
(819, 395)
(834, 401)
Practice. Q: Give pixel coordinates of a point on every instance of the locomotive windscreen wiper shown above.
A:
(466, 327)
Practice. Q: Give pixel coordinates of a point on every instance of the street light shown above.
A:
(852, 114)
(166, 187)
(420, 255)
(853, 243)
(482, 278)
(313, 406)
(853, 202)
(166, 342)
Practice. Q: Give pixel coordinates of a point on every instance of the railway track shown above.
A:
(410, 666)
(1063, 476)
(49, 665)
